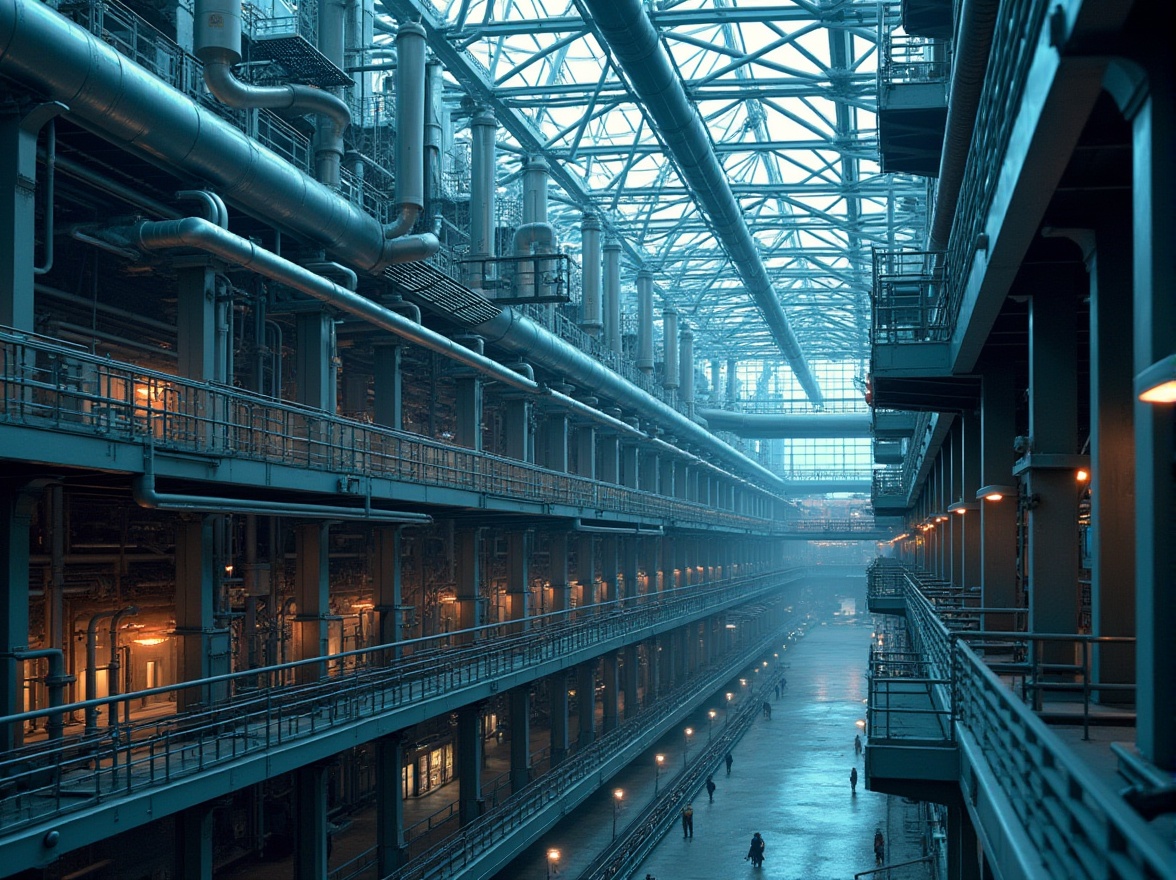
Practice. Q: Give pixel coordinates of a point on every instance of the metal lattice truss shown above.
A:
(787, 92)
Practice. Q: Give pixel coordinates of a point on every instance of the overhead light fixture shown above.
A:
(996, 492)
(1157, 383)
(1082, 475)
(962, 507)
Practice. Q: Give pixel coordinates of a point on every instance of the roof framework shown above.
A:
(787, 91)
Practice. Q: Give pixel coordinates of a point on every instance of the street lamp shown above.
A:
(686, 734)
(618, 795)
(661, 759)
(552, 862)
(710, 724)
(730, 697)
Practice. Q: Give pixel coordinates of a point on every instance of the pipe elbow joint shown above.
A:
(410, 248)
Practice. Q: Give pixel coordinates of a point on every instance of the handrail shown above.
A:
(77, 392)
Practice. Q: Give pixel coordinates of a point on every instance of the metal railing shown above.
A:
(256, 711)
(904, 59)
(909, 291)
(50, 385)
(1081, 828)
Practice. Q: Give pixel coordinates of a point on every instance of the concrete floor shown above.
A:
(789, 781)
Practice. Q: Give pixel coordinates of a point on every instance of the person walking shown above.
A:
(710, 788)
(767, 710)
(687, 821)
(756, 852)
(853, 780)
(730, 761)
(857, 744)
(879, 847)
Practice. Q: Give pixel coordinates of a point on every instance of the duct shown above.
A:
(114, 667)
(612, 295)
(126, 105)
(765, 426)
(977, 19)
(341, 274)
(645, 321)
(635, 43)
(92, 662)
(672, 378)
(410, 128)
(143, 489)
(592, 315)
(434, 134)
(686, 358)
(55, 681)
(521, 336)
(218, 46)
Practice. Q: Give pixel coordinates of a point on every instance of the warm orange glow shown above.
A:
(960, 511)
(1165, 392)
(993, 496)
(619, 793)
(1083, 475)
(553, 855)
(150, 641)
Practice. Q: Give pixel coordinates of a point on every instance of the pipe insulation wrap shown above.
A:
(768, 426)
(635, 43)
(410, 115)
(121, 102)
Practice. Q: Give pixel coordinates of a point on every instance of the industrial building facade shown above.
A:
(341, 439)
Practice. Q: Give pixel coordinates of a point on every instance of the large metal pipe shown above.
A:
(592, 319)
(410, 128)
(218, 46)
(686, 357)
(483, 186)
(977, 18)
(535, 235)
(612, 294)
(55, 682)
(763, 426)
(120, 101)
(637, 47)
(645, 321)
(671, 379)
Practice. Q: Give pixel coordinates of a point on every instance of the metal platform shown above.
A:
(301, 61)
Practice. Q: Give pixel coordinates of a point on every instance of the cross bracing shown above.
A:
(787, 94)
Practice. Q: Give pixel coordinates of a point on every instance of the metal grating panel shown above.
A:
(437, 290)
(301, 60)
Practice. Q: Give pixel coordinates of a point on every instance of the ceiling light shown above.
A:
(1157, 384)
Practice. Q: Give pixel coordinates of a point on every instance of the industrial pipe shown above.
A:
(592, 313)
(686, 362)
(977, 19)
(577, 525)
(115, 665)
(645, 321)
(636, 45)
(769, 425)
(218, 46)
(50, 184)
(55, 681)
(91, 727)
(216, 211)
(64, 62)
(410, 128)
(612, 294)
(672, 377)
(143, 490)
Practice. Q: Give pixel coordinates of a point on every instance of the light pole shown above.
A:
(710, 724)
(686, 734)
(552, 863)
(661, 759)
(618, 795)
(730, 697)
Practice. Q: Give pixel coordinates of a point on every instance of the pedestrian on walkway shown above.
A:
(879, 847)
(767, 710)
(688, 821)
(730, 761)
(710, 788)
(857, 744)
(777, 690)
(853, 780)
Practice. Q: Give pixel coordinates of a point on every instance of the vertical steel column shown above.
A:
(387, 385)
(517, 428)
(671, 377)
(483, 188)
(612, 294)
(955, 520)
(553, 441)
(645, 321)
(469, 763)
(193, 843)
(586, 702)
(16, 517)
(593, 318)
(969, 427)
(1154, 276)
(610, 696)
(195, 605)
(518, 581)
(387, 584)
(310, 822)
(686, 354)
(391, 852)
(998, 548)
(467, 553)
(629, 683)
(469, 402)
(1112, 452)
(314, 362)
(557, 684)
(608, 569)
(312, 594)
(609, 451)
(1053, 491)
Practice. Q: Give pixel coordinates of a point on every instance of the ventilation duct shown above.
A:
(635, 43)
(483, 126)
(410, 128)
(121, 102)
(593, 317)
